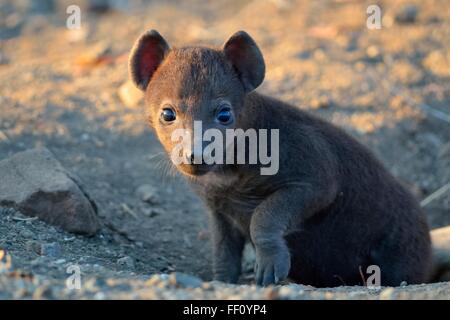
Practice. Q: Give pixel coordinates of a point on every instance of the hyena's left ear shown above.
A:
(147, 54)
(246, 58)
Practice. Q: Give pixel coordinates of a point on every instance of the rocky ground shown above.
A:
(66, 90)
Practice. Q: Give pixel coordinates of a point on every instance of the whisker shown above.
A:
(156, 155)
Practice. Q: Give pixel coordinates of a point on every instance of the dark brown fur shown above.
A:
(332, 208)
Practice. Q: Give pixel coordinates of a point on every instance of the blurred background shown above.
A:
(67, 89)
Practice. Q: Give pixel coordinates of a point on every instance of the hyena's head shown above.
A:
(192, 84)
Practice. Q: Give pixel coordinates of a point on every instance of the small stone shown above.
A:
(431, 139)
(26, 233)
(403, 284)
(321, 102)
(438, 62)
(153, 281)
(85, 137)
(184, 280)
(33, 246)
(128, 165)
(151, 212)
(407, 14)
(406, 72)
(285, 291)
(50, 250)
(130, 95)
(127, 262)
(43, 292)
(99, 296)
(396, 102)
(387, 294)
(203, 235)
(139, 244)
(97, 54)
(319, 55)
(39, 261)
(272, 293)
(329, 295)
(147, 193)
(373, 54)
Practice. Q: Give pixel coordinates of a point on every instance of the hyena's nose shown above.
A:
(190, 157)
(193, 154)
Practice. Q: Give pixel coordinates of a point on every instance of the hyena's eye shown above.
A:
(224, 114)
(168, 114)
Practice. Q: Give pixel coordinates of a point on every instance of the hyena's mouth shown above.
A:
(195, 169)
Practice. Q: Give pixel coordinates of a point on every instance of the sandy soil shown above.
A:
(60, 89)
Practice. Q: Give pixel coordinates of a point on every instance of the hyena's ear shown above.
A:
(147, 54)
(246, 58)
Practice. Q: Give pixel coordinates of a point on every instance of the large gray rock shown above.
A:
(37, 185)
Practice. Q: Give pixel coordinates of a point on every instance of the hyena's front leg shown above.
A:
(228, 244)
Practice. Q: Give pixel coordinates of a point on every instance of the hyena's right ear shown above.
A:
(147, 54)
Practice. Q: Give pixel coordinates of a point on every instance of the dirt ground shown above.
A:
(59, 88)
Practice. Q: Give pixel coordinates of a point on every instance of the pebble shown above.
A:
(407, 14)
(38, 262)
(95, 54)
(50, 249)
(438, 62)
(33, 246)
(184, 280)
(43, 292)
(387, 294)
(431, 139)
(127, 262)
(373, 54)
(285, 291)
(151, 212)
(321, 102)
(203, 235)
(26, 233)
(329, 295)
(147, 193)
(153, 281)
(99, 296)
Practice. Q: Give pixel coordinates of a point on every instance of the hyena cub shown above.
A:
(329, 211)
